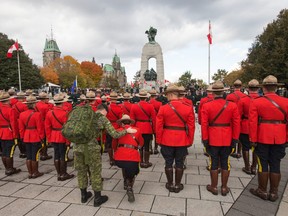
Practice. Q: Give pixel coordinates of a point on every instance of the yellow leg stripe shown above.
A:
(210, 159)
(38, 153)
(12, 150)
(259, 164)
(66, 153)
(228, 163)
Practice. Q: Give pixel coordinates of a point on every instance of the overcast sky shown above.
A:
(96, 28)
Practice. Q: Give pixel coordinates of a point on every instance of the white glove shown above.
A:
(131, 130)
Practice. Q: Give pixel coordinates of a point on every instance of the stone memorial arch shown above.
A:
(152, 50)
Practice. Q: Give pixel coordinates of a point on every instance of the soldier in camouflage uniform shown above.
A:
(88, 157)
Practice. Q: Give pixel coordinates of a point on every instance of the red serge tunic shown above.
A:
(31, 131)
(168, 118)
(67, 106)
(8, 123)
(204, 100)
(156, 104)
(235, 96)
(146, 123)
(243, 107)
(126, 107)
(127, 153)
(53, 127)
(43, 108)
(220, 135)
(115, 112)
(262, 110)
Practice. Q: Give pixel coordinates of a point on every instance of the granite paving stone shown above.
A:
(136, 188)
(143, 202)
(5, 201)
(74, 196)
(72, 183)
(16, 178)
(112, 212)
(108, 173)
(11, 187)
(149, 176)
(189, 191)
(235, 193)
(225, 207)
(110, 184)
(77, 210)
(154, 188)
(203, 208)
(39, 180)
(169, 205)
(114, 199)
(206, 195)
(54, 193)
(47, 208)
(31, 191)
(23, 207)
(283, 209)
(137, 213)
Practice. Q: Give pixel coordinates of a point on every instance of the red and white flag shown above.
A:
(14, 47)
(166, 81)
(209, 36)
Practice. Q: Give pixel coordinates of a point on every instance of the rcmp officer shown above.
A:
(156, 104)
(126, 105)
(243, 107)
(115, 113)
(18, 108)
(204, 100)
(268, 134)
(235, 97)
(88, 157)
(126, 154)
(8, 133)
(90, 99)
(43, 106)
(175, 127)
(82, 100)
(144, 115)
(54, 121)
(220, 128)
(12, 94)
(31, 128)
(98, 100)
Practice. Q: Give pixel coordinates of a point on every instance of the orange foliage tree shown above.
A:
(49, 75)
(93, 72)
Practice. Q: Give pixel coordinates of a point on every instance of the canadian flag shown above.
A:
(209, 36)
(132, 84)
(166, 81)
(14, 47)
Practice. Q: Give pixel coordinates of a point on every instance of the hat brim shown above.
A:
(5, 99)
(141, 96)
(60, 101)
(119, 121)
(31, 102)
(219, 90)
(171, 91)
(271, 84)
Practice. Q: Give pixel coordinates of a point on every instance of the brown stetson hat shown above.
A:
(4, 96)
(209, 89)
(127, 95)
(43, 95)
(113, 95)
(142, 94)
(59, 98)
(21, 95)
(253, 83)
(153, 92)
(125, 118)
(218, 86)
(182, 90)
(29, 92)
(237, 83)
(271, 81)
(172, 88)
(31, 99)
(90, 95)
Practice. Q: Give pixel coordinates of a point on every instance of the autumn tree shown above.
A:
(232, 76)
(93, 73)
(49, 75)
(268, 54)
(220, 75)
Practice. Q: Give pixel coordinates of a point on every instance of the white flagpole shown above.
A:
(209, 54)
(19, 74)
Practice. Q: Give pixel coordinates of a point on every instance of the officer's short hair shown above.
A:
(102, 107)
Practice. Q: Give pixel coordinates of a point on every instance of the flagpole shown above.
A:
(209, 54)
(19, 74)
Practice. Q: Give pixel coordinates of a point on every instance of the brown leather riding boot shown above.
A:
(44, 155)
(142, 164)
(111, 159)
(10, 170)
(146, 159)
(29, 168)
(130, 194)
(156, 149)
(35, 172)
(254, 164)
(178, 177)
(4, 162)
(63, 171)
(214, 182)
(57, 166)
(224, 179)
(169, 175)
(261, 191)
(247, 168)
(274, 184)
(124, 179)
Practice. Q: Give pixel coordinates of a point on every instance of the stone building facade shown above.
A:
(51, 52)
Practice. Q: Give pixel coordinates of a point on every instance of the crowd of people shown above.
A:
(125, 126)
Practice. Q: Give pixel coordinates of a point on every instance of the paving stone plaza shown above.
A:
(47, 196)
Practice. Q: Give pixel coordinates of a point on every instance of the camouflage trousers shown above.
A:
(89, 166)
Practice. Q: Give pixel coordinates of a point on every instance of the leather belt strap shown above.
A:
(30, 128)
(174, 128)
(128, 146)
(244, 117)
(142, 120)
(113, 121)
(272, 121)
(220, 125)
(4, 126)
(57, 129)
